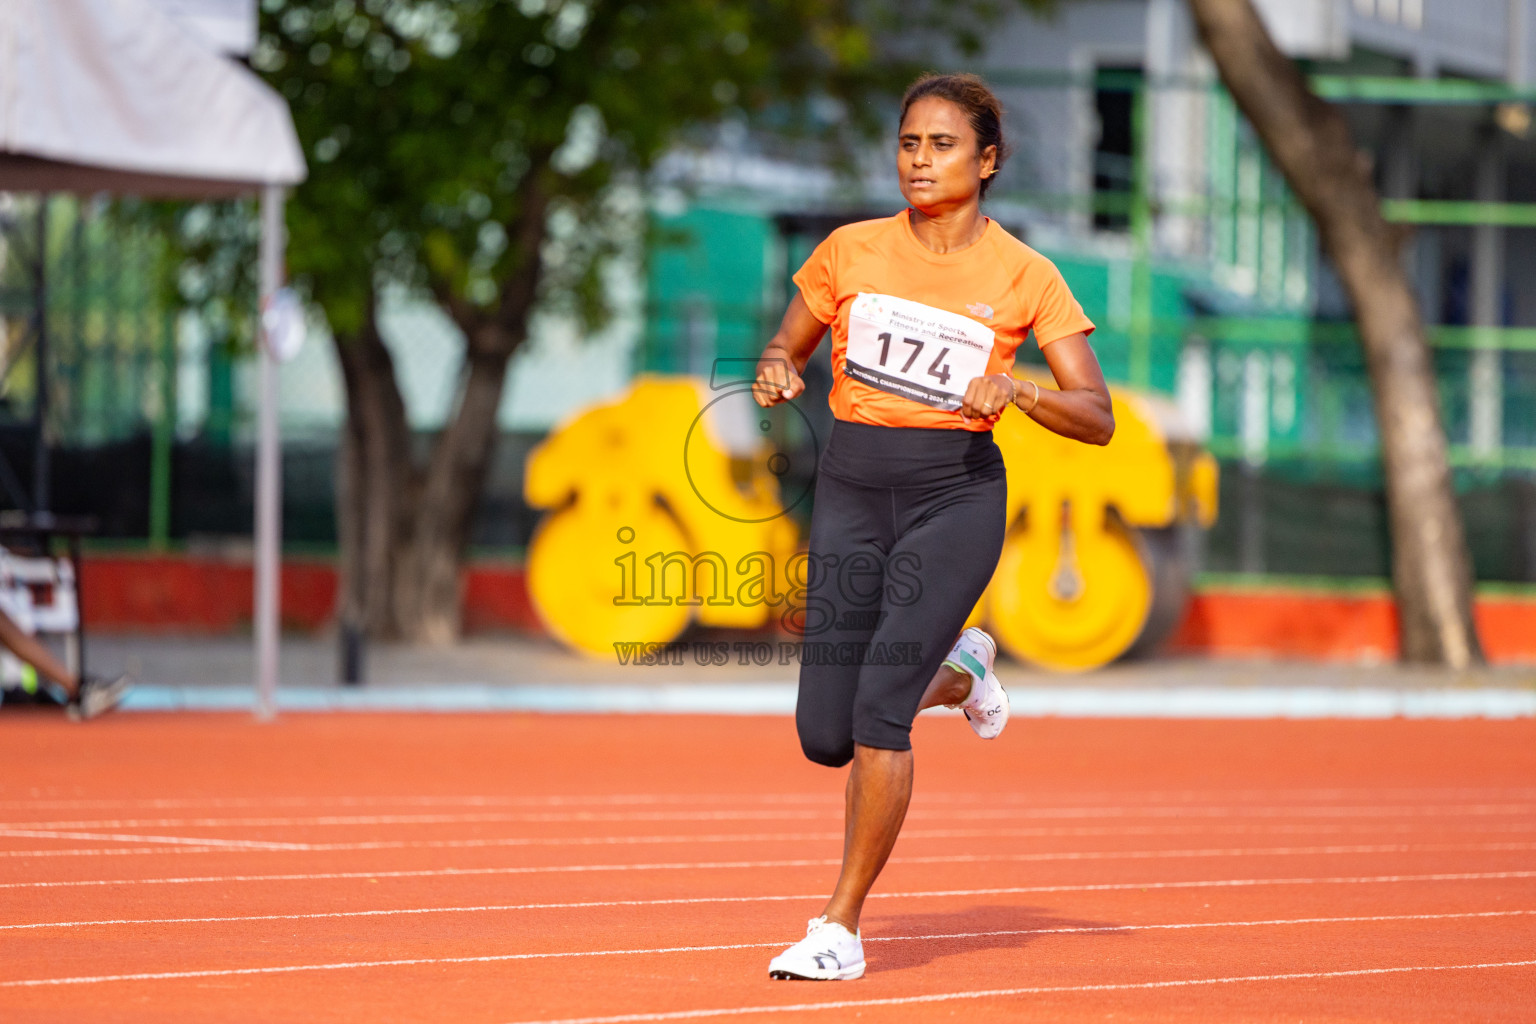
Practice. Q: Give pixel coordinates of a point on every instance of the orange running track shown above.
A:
(512, 868)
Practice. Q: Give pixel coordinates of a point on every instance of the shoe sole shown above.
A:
(846, 974)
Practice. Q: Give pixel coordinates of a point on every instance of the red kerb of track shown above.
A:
(516, 868)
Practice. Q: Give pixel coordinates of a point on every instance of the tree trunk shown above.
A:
(1310, 142)
(426, 582)
(376, 483)
(403, 529)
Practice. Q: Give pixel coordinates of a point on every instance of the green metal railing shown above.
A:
(1303, 377)
(111, 339)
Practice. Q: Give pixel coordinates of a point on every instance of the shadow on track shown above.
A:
(963, 931)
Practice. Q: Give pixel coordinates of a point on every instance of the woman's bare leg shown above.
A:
(948, 686)
(30, 650)
(879, 789)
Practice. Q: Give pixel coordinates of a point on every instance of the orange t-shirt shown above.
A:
(911, 327)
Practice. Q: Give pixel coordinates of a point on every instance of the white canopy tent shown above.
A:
(115, 96)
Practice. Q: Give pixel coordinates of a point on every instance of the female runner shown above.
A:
(926, 310)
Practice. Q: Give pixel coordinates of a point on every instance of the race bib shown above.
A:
(928, 355)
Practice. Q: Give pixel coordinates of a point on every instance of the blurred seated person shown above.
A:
(85, 698)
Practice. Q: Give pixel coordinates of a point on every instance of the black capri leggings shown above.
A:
(906, 533)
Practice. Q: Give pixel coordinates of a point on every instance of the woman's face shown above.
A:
(937, 157)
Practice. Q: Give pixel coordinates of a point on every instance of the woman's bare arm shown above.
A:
(1081, 409)
(787, 352)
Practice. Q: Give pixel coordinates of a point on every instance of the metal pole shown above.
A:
(1141, 243)
(41, 484)
(1485, 372)
(78, 308)
(163, 439)
(353, 645)
(268, 466)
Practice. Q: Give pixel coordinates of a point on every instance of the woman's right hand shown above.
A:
(778, 373)
(777, 381)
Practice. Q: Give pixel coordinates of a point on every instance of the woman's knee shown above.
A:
(830, 747)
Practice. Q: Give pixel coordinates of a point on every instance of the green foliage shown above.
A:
(203, 259)
(210, 262)
(430, 126)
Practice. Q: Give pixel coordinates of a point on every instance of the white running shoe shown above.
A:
(986, 709)
(827, 953)
(97, 696)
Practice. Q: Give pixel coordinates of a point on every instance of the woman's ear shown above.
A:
(989, 162)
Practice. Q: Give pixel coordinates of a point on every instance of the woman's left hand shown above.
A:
(987, 397)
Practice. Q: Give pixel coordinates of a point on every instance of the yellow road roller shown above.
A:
(1091, 565)
(666, 506)
(664, 509)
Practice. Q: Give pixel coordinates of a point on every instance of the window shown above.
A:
(1114, 153)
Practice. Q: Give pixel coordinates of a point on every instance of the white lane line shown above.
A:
(122, 837)
(316, 876)
(607, 840)
(876, 938)
(1026, 832)
(692, 900)
(597, 800)
(843, 1004)
(1040, 832)
(197, 844)
(439, 819)
(737, 814)
(1256, 811)
(1406, 795)
(116, 851)
(457, 872)
(932, 936)
(1006, 858)
(411, 911)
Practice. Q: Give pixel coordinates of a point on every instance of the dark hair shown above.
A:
(981, 107)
